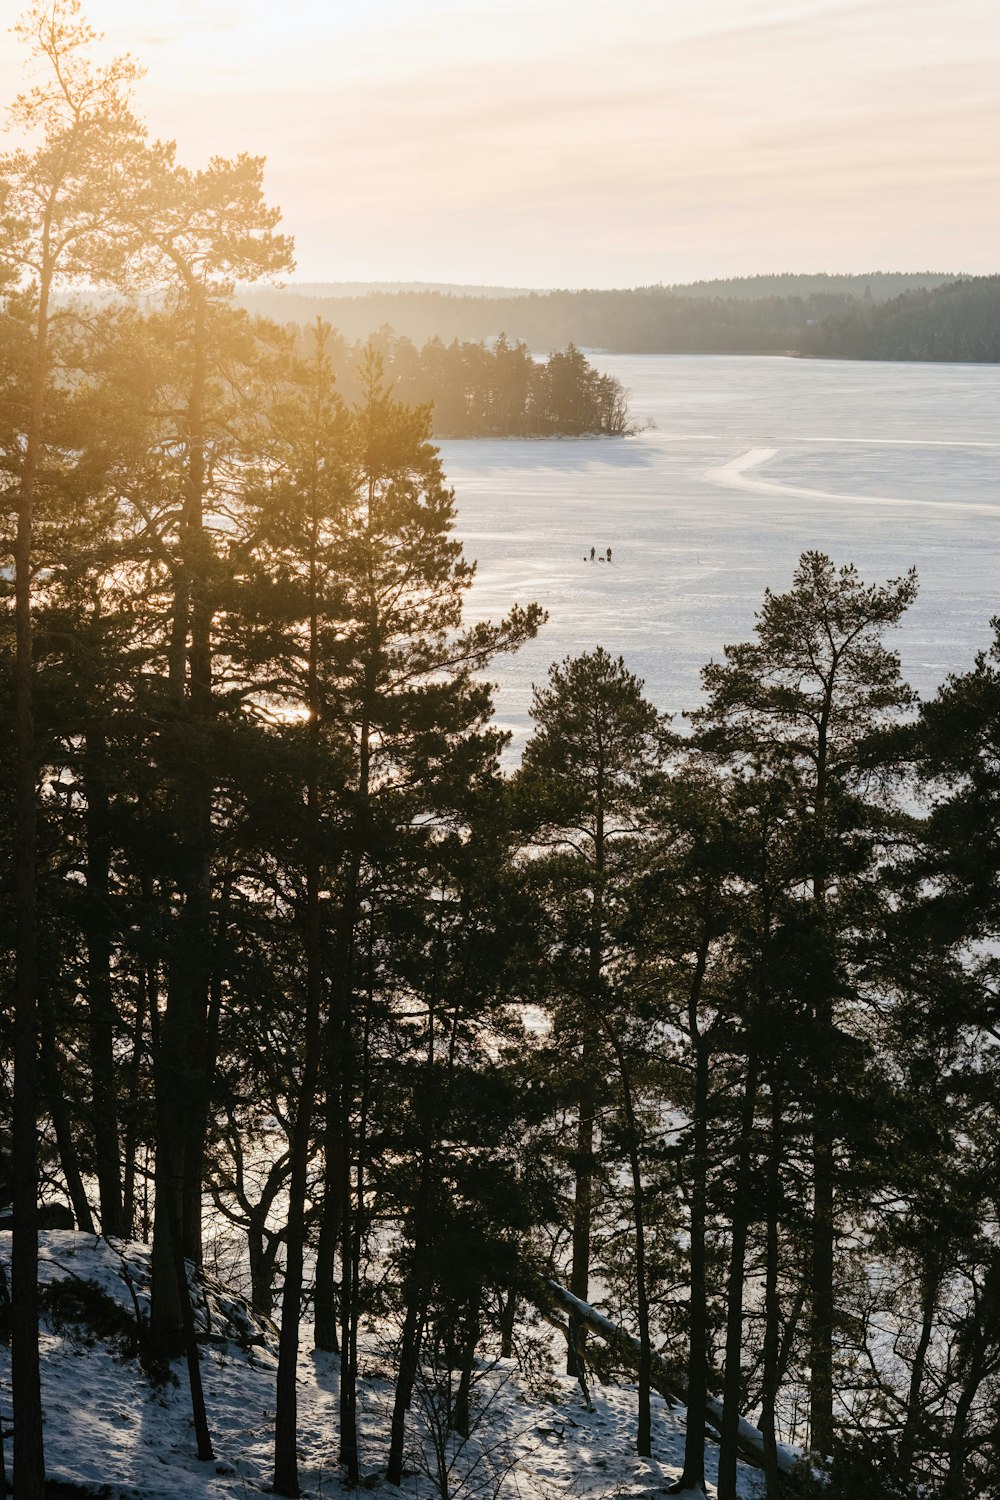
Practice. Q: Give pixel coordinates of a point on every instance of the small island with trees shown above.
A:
(495, 389)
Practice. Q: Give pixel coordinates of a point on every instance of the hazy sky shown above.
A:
(589, 142)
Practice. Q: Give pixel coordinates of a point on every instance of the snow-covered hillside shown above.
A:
(114, 1429)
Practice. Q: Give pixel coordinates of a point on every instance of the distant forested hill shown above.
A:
(959, 321)
(879, 286)
(749, 315)
(324, 289)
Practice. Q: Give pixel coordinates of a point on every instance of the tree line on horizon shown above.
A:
(891, 316)
(270, 897)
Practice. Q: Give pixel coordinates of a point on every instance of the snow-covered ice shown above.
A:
(752, 461)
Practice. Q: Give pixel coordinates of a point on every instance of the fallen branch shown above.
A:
(664, 1379)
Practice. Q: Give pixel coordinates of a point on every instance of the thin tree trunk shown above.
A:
(332, 1213)
(286, 1479)
(954, 1487)
(102, 1014)
(350, 1245)
(413, 1321)
(350, 1257)
(583, 1195)
(25, 1376)
(772, 1308)
(180, 1070)
(353, 1210)
(198, 1412)
(733, 1380)
(644, 1431)
(915, 1418)
(461, 1415)
(821, 1325)
(166, 1321)
(145, 1000)
(693, 1476)
(508, 1318)
(583, 1192)
(336, 1215)
(406, 1376)
(976, 1364)
(823, 1221)
(643, 1443)
(196, 962)
(53, 1098)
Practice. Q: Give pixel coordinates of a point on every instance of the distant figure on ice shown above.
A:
(609, 554)
(592, 554)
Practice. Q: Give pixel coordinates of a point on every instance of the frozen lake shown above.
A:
(751, 462)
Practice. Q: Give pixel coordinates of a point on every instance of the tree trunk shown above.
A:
(954, 1482)
(772, 1307)
(915, 1417)
(196, 961)
(286, 1479)
(583, 1195)
(29, 1455)
(975, 1363)
(406, 1376)
(198, 1413)
(336, 1216)
(53, 1098)
(460, 1420)
(102, 1013)
(146, 999)
(733, 1379)
(643, 1443)
(331, 1221)
(166, 1320)
(579, 1280)
(413, 1321)
(350, 1260)
(823, 1221)
(693, 1476)
(822, 1320)
(508, 1318)
(181, 1060)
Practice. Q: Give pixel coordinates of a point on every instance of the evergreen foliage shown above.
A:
(489, 390)
(706, 1023)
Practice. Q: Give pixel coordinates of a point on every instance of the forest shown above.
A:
(305, 984)
(881, 316)
(959, 321)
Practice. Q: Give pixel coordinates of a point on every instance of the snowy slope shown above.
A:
(112, 1429)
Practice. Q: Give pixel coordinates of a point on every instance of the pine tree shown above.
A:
(584, 787)
(804, 699)
(60, 205)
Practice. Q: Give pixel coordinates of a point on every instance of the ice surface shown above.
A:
(883, 465)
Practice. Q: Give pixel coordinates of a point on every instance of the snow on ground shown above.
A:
(110, 1428)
